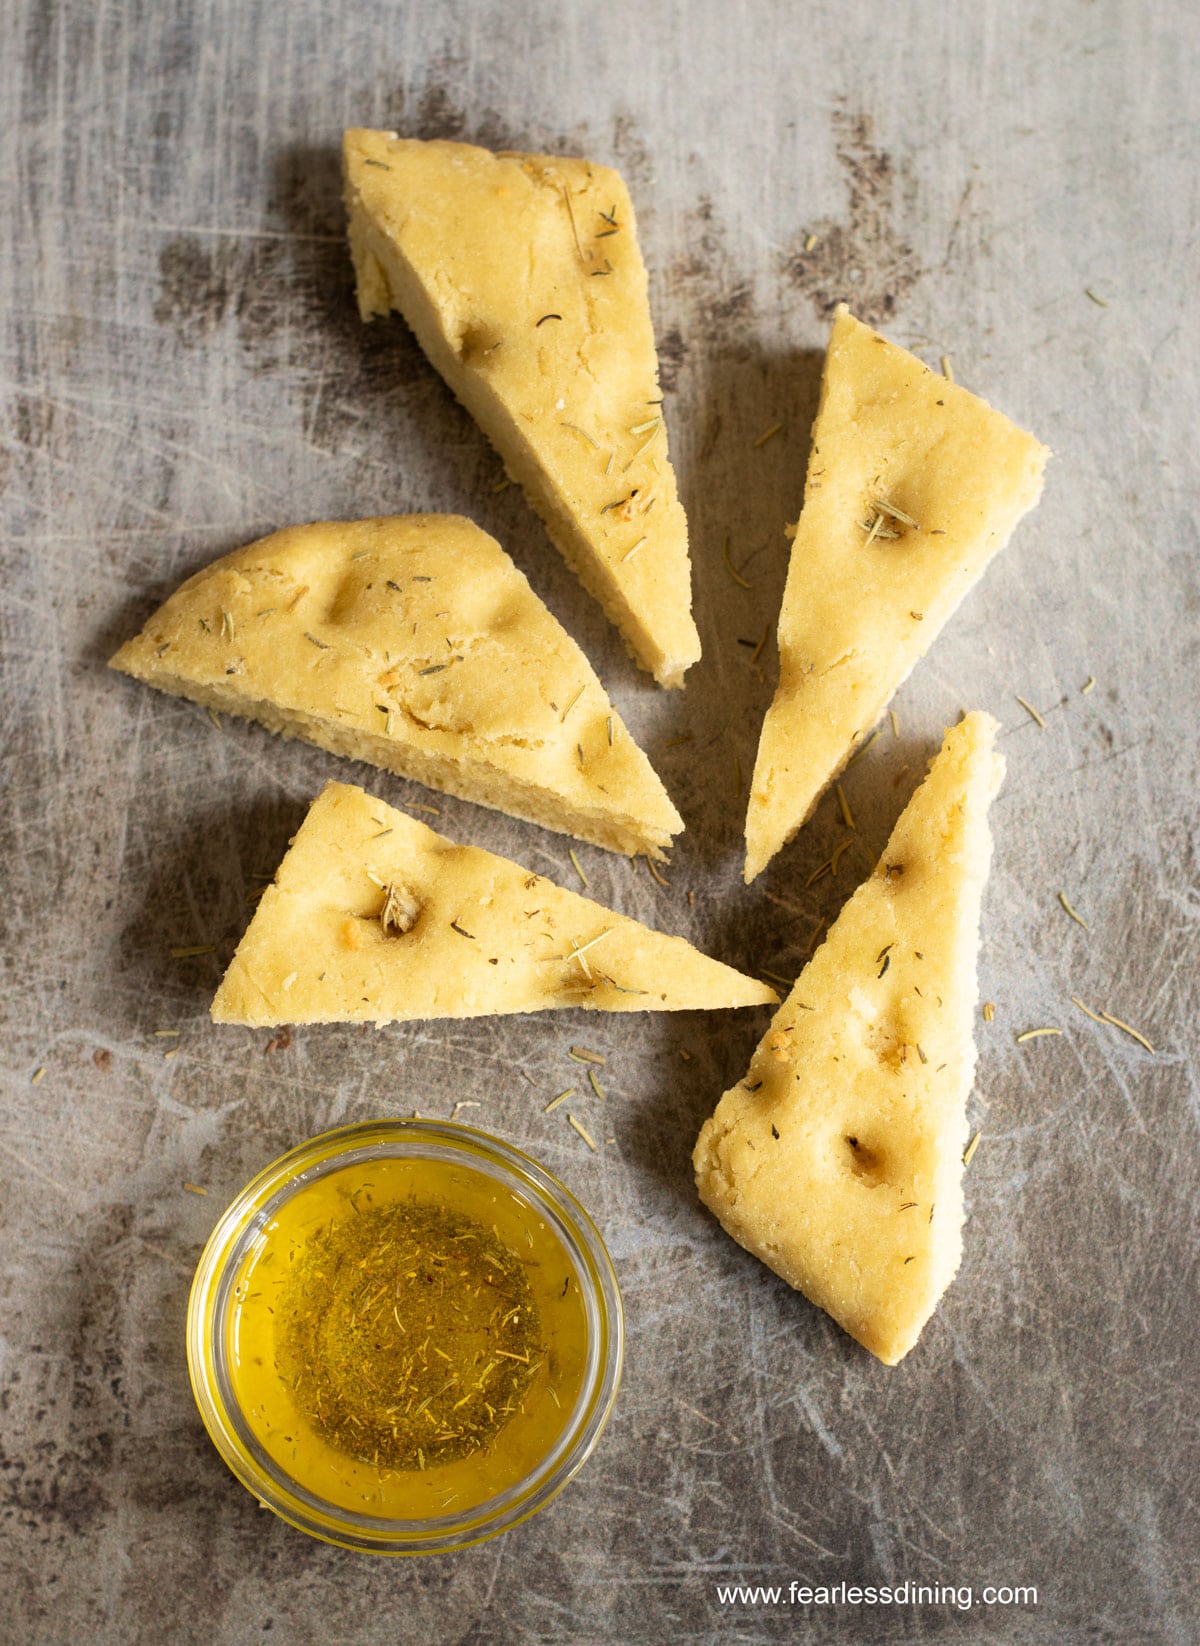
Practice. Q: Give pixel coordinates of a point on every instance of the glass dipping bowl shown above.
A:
(221, 1321)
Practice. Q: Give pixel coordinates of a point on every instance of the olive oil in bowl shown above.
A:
(405, 1336)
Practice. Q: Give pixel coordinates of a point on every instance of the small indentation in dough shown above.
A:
(400, 912)
(867, 1163)
(477, 342)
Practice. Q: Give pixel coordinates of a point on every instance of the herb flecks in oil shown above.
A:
(408, 1334)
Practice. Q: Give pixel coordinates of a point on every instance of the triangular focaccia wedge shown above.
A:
(913, 485)
(412, 642)
(521, 276)
(838, 1159)
(375, 918)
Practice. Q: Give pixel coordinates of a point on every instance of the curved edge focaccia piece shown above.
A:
(913, 485)
(521, 276)
(838, 1160)
(414, 643)
(375, 918)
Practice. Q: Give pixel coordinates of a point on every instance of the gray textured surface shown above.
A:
(184, 369)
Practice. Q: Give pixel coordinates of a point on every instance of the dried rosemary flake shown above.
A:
(644, 447)
(893, 513)
(574, 226)
(166, 1034)
(810, 241)
(877, 528)
(1089, 685)
(501, 485)
(37, 1076)
(381, 165)
(969, 1151)
(839, 851)
(571, 705)
(775, 977)
(584, 1054)
(575, 864)
(583, 1132)
(321, 645)
(757, 652)
(655, 874)
(620, 987)
(737, 777)
(594, 1083)
(546, 317)
(416, 806)
(844, 806)
(767, 434)
(1116, 1023)
(1095, 1016)
(215, 718)
(1099, 301)
(650, 423)
(574, 427)
(1126, 1029)
(1077, 918)
(185, 951)
(858, 753)
(1030, 710)
(948, 369)
(434, 668)
(1034, 1034)
(895, 723)
(194, 1188)
(462, 931)
(226, 623)
(580, 949)
(629, 553)
(608, 727)
(561, 1098)
(737, 577)
(989, 1010)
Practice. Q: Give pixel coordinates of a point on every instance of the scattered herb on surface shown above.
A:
(1030, 710)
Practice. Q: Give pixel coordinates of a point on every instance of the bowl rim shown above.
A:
(212, 1291)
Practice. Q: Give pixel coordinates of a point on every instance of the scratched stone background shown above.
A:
(184, 370)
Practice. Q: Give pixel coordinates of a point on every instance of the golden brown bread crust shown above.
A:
(375, 918)
(913, 486)
(838, 1159)
(412, 642)
(521, 276)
